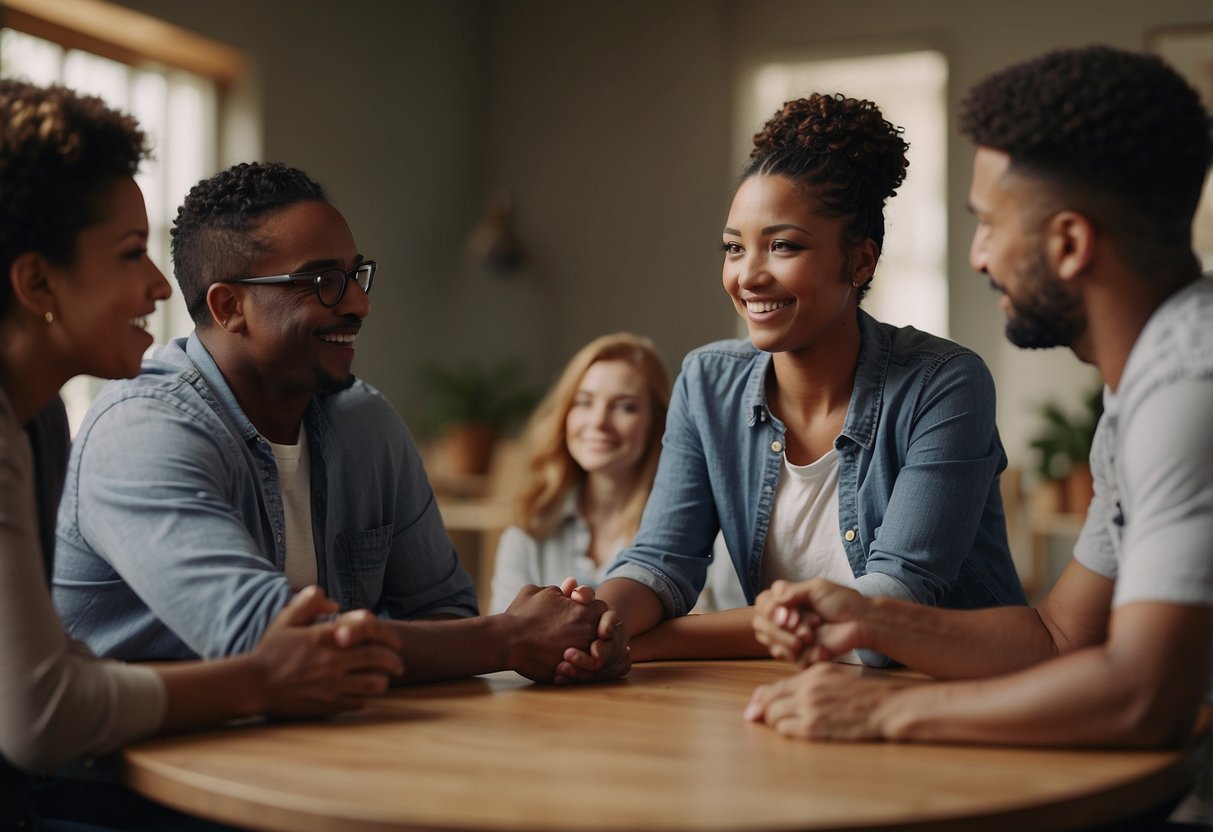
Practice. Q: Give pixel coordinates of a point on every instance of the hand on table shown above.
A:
(309, 668)
(548, 621)
(811, 621)
(609, 656)
(825, 702)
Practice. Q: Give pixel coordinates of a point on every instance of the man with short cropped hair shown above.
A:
(1088, 170)
(246, 462)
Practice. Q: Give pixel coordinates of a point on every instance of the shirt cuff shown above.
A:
(880, 585)
(660, 585)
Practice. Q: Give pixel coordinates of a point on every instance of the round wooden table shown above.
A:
(665, 749)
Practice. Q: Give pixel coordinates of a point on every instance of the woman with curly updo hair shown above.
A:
(827, 445)
(76, 291)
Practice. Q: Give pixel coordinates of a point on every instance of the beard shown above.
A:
(328, 384)
(1047, 315)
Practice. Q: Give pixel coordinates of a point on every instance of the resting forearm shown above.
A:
(957, 644)
(200, 694)
(637, 606)
(728, 634)
(1080, 699)
(1141, 687)
(453, 649)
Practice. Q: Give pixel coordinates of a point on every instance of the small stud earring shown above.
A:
(50, 317)
(856, 283)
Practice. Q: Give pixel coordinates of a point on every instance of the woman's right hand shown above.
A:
(810, 621)
(311, 668)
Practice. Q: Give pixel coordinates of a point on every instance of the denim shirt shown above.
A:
(919, 509)
(171, 533)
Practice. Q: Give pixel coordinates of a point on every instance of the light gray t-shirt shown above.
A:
(1150, 525)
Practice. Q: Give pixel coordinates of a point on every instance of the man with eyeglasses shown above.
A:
(246, 462)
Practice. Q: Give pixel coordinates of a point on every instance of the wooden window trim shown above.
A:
(124, 35)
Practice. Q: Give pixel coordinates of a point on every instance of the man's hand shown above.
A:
(811, 621)
(548, 621)
(307, 668)
(825, 702)
(608, 657)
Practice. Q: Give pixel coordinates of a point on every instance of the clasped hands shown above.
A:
(565, 635)
(810, 623)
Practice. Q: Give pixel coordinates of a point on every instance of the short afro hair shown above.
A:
(1112, 123)
(59, 152)
(215, 233)
(843, 152)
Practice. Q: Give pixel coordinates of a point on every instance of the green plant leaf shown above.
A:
(498, 395)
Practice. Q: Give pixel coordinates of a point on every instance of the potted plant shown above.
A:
(1064, 447)
(469, 406)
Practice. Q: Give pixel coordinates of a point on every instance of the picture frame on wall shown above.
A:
(1190, 50)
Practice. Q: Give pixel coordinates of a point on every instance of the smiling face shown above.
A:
(785, 267)
(608, 425)
(103, 297)
(1041, 310)
(295, 342)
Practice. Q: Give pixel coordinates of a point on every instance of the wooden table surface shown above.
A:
(665, 749)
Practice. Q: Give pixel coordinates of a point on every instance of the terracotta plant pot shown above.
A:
(1079, 488)
(468, 448)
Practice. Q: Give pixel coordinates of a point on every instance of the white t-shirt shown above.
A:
(295, 481)
(803, 541)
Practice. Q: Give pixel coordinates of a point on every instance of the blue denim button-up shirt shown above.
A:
(919, 509)
(171, 534)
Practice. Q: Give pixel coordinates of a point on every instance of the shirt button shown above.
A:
(850, 535)
(279, 537)
(776, 446)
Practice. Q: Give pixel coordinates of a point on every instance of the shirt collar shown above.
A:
(875, 348)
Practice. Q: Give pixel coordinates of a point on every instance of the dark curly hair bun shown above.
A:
(843, 153)
(848, 135)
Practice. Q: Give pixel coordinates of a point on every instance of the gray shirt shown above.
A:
(1150, 525)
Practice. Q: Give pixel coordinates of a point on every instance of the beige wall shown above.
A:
(610, 123)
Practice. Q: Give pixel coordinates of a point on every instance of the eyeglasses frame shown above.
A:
(314, 278)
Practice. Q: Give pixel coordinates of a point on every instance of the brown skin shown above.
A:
(273, 345)
(779, 251)
(300, 668)
(1074, 671)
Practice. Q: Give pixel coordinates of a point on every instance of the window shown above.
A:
(178, 109)
(911, 286)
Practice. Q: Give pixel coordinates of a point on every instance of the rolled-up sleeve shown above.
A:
(673, 547)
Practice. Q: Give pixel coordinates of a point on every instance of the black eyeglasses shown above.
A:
(330, 283)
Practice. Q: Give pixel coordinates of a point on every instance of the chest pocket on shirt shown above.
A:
(361, 560)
